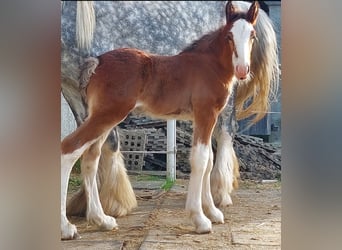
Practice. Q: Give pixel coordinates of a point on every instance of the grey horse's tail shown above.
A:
(87, 69)
(85, 24)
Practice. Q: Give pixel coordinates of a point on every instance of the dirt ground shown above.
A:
(160, 222)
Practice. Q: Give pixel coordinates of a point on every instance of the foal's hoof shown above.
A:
(202, 224)
(204, 228)
(109, 223)
(69, 232)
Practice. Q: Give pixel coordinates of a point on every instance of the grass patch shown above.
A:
(76, 169)
(75, 182)
(168, 184)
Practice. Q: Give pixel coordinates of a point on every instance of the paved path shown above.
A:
(160, 222)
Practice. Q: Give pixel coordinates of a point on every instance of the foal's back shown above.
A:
(161, 86)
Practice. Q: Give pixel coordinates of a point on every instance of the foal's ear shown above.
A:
(252, 13)
(230, 10)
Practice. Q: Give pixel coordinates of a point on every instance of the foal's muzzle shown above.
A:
(241, 72)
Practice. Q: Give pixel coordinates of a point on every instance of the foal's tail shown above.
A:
(87, 69)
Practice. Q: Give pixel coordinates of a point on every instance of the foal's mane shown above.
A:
(204, 43)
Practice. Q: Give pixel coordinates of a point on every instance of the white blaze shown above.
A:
(241, 31)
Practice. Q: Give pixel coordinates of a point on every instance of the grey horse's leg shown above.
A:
(226, 168)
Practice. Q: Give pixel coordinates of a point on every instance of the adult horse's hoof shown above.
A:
(109, 223)
(215, 215)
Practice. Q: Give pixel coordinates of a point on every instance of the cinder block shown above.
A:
(133, 140)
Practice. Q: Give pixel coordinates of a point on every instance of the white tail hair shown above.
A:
(114, 182)
(85, 24)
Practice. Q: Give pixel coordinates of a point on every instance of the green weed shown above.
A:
(168, 184)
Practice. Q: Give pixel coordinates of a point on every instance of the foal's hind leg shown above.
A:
(115, 190)
(90, 160)
(68, 231)
(73, 147)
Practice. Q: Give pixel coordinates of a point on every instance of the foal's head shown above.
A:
(240, 37)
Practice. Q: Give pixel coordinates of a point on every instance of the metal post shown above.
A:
(171, 150)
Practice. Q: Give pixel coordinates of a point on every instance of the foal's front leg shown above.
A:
(199, 161)
(89, 166)
(213, 213)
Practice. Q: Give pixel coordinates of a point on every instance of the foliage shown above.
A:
(168, 184)
(75, 182)
(77, 167)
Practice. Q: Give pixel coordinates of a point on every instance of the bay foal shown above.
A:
(193, 85)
